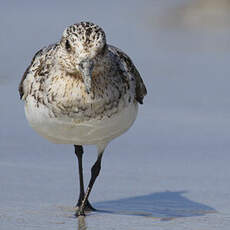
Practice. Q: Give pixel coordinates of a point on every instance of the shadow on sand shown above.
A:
(164, 205)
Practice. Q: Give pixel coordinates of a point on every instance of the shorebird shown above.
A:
(82, 91)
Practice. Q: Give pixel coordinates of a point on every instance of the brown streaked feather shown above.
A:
(127, 67)
(141, 90)
(20, 87)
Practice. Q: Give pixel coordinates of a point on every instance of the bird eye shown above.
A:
(67, 45)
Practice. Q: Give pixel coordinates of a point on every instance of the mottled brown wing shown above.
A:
(127, 66)
(20, 87)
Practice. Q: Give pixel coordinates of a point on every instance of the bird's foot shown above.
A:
(88, 208)
(79, 213)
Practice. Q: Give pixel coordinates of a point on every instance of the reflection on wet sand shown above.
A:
(81, 223)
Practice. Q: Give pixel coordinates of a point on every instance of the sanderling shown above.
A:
(82, 91)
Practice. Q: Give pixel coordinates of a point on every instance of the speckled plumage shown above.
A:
(82, 91)
(53, 84)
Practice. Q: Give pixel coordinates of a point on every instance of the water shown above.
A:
(174, 171)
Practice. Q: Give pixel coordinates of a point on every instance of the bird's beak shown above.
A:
(86, 68)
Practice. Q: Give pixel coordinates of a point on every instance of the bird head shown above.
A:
(81, 44)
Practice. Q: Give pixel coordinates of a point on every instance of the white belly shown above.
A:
(69, 131)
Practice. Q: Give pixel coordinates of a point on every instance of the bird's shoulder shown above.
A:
(39, 66)
(129, 70)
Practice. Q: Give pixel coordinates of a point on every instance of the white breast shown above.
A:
(66, 130)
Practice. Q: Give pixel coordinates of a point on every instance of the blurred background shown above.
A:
(181, 139)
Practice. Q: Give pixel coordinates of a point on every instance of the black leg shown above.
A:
(95, 170)
(79, 154)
